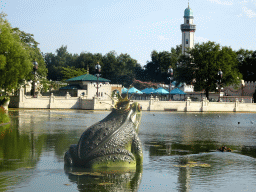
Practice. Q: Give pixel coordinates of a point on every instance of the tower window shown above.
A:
(186, 41)
(187, 21)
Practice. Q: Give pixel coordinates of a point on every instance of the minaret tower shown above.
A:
(188, 30)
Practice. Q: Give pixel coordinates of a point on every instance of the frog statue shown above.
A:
(111, 142)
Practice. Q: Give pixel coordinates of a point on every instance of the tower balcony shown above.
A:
(188, 27)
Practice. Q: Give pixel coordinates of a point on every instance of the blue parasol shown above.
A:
(161, 90)
(124, 90)
(133, 90)
(148, 90)
(177, 92)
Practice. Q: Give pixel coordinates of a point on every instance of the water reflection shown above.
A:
(179, 153)
(102, 179)
(185, 145)
(161, 148)
(249, 150)
(17, 151)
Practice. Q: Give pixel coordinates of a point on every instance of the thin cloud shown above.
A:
(200, 39)
(244, 1)
(249, 13)
(222, 2)
(254, 2)
(162, 38)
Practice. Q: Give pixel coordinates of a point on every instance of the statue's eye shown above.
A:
(139, 107)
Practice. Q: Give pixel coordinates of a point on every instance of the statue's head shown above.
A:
(123, 104)
(134, 109)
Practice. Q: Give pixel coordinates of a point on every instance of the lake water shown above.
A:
(179, 153)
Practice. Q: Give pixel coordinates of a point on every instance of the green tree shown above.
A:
(55, 63)
(117, 68)
(61, 61)
(126, 69)
(15, 63)
(156, 69)
(204, 63)
(175, 55)
(31, 46)
(184, 73)
(139, 73)
(247, 64)
(70, 72)
(50, 61)
(153, 68)
(109, 62)
(88, 60)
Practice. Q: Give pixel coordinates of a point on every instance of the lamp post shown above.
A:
(220, 73)
(170, 71)
(98, 69)
(34, 82)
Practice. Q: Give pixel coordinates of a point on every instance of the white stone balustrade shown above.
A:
(153, 104)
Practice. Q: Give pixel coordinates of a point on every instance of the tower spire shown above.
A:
(188, 30)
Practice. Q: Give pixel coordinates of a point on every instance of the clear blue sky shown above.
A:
(136, 27)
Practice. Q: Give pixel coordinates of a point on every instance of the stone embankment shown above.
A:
(153, 104)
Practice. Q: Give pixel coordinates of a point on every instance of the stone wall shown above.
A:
(48, 102)
(246, 88)
(153, 104)
(87, 104)
(196, 106)
(66, 102)
(60, 102)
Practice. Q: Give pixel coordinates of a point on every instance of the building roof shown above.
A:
(87, 77)
(188, 12)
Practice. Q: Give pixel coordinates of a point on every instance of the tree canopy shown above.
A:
(203, 64)
(15, 64)
(156, 70)
(56, 62)
(117, 68)
(31, 46)
(70, 72)
(247, 64)
(17, 52)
